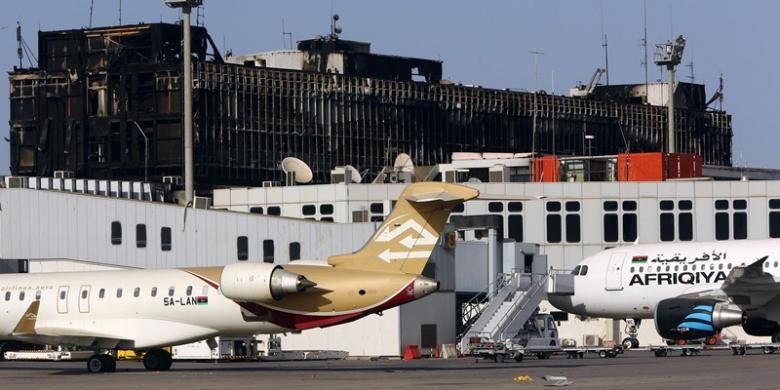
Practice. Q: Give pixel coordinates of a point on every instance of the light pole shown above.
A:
(146, 149)
(536, 54)
(189, 168)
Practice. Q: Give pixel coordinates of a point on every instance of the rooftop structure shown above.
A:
(98, 93)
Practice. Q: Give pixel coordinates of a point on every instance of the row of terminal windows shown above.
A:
(242, 250)
(694, 267)
(326, 210)
(140, 235)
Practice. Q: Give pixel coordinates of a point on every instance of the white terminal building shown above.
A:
(528, 225)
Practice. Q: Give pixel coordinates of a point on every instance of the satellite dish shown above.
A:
(302, 171)
(403, 163)
(354, 174)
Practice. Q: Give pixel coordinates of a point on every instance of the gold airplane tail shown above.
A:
(406, 239)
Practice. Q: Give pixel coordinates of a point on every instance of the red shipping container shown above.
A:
(546, 169)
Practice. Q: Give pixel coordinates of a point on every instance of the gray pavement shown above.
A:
(633, 370)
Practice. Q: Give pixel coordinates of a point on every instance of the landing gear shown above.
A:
(157, 360)
(101, 362)
(632, 329)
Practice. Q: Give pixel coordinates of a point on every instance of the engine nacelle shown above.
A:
(260, 282)
(760, 327)
(686, 318)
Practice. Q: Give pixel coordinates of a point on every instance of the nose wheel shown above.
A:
(632, 329)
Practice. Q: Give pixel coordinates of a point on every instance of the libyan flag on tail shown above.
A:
(639, 260)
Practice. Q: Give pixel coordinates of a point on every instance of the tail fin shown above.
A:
(406, 239)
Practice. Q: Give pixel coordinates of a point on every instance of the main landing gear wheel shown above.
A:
(101, 363)
(632, 329)
(630, 342)
(157, 360)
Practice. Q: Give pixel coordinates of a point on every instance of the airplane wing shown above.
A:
(748, 287)
(107, 333)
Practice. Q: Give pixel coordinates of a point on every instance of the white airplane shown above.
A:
(691, 290)
(145, 310)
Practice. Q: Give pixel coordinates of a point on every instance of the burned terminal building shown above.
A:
(97, 94)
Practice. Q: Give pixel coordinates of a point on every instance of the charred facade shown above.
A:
(84, 108)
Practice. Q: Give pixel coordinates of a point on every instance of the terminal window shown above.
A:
(116, 233)
(140, 235)
(295, 251)
(165, 238)
(774, 218)
(268, 251)
(242, 247)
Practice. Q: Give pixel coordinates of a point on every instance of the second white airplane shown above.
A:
(690, 290)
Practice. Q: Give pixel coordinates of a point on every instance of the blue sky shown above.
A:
(488, 42)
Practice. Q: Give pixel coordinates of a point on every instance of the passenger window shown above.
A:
(137, 292)
(102, 293)
(171, 291)
(154, 292)
(62, 295)
(642, 269)
(21, 295)
(84, 294)
(7, 295)
(38, 295)
(189, 290)
(119, 293)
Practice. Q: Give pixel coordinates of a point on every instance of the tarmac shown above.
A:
(632, 370)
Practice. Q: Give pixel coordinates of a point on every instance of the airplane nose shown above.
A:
(562, 302)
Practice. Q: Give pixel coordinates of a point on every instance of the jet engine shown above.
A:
(686, 318)
(760, 327)
(260, 282)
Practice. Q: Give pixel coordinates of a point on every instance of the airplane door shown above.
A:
(62, 300)
(84, 299)
(615, 272)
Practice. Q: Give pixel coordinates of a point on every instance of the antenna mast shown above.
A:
(286, 36)
(645, 62)
(91, 7)
(604, 42)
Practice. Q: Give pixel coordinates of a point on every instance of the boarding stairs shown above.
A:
(501, 316)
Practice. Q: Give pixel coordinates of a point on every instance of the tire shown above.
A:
(96, 364)
(4, 346)
(519, 357)
(157, 360)
(634, 342)
(659, 353)
(499, 358)
(628, 343)
(602, 354)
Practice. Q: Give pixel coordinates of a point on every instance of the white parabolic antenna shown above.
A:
(354, 173)
(403, 163)
(302, 171)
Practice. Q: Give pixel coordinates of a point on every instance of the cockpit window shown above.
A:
(584, 270)
(576, 270)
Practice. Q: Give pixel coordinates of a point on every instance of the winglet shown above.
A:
(26, 325)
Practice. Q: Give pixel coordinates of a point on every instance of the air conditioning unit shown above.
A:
(592, 340)
(174, 180)
(63, 174)
(360, 216)
(16, 182)
(451, 176)
(201, 202)
(498, 174)
(392, 177)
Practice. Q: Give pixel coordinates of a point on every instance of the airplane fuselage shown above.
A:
(629, 281)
